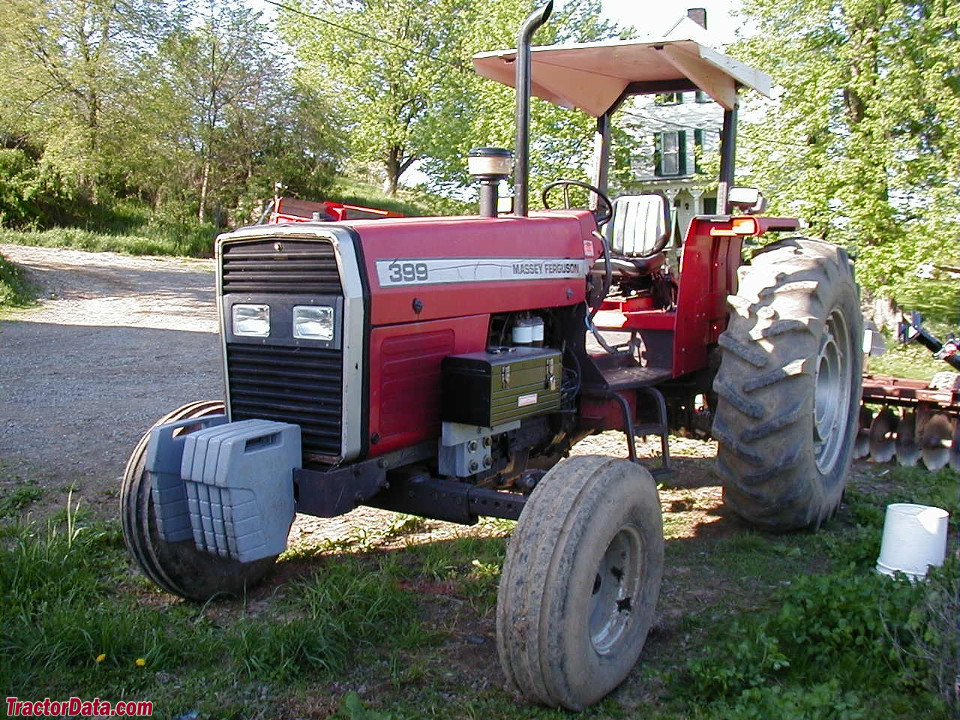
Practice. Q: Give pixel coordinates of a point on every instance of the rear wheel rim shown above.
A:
(615, 595)
(832, 393)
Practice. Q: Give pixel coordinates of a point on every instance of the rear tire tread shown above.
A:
(768, 459)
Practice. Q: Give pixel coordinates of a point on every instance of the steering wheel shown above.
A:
(604, 210)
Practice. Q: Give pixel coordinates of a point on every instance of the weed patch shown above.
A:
(15, 291)
(18, 497)
(884, 642)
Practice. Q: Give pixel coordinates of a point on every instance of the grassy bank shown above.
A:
(907, 361)
(393, 625)
(15, 291)
(197, 242)
(128, 225)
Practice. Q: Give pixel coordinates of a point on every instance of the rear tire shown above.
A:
(178, 568)
(580, 581)
(789, 385)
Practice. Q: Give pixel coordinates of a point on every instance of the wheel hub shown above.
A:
(832, 393)
(616, 587)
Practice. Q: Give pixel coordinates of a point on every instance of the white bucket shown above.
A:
(914, 538)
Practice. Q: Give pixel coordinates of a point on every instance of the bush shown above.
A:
(30, 197)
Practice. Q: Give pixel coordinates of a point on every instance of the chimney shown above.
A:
(699, 16)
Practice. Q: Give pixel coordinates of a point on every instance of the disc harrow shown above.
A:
(911, 420)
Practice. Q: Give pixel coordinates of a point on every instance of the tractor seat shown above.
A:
(635, 267)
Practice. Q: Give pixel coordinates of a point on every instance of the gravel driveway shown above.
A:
(119, 341)
(115, 343)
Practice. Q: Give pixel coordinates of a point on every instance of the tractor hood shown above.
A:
(594, 76)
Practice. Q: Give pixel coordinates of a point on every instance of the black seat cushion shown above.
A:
(633, 268)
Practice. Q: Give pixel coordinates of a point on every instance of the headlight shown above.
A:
(313, 322)
(251, 320)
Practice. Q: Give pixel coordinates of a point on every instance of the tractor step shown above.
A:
(662, 473)
(628, 378)
(660, 428)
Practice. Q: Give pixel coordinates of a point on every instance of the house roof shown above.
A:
(593, 76)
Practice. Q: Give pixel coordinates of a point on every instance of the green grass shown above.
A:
(74, 619)
(794, 626)
(907, 361)
(194, 241)
(15, 291)
(409, 201)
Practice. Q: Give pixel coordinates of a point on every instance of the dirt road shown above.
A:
(115, 343)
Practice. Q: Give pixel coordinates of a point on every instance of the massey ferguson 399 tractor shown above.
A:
(445, 367)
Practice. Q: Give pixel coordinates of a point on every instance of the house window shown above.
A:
(702, 97)
(671, 153)
(668, 98)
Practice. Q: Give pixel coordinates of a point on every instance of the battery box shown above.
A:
(502, 385)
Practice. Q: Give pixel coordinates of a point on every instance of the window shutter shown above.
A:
(682, 156)
(698, 145)
(658, 154)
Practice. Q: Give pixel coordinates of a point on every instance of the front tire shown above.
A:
(178, 568)
(789, 385)
(580, 581)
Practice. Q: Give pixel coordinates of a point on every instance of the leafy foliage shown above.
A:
(863, 138)
(191, 109)
(405, 88)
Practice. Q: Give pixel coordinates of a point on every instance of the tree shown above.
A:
(561, 140)
(863, 139)
(222, 111)
(404, 83)
(65, 63)
(386, 64)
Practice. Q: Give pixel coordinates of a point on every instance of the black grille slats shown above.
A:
(290, 384)
(294, 383)
(296, 268)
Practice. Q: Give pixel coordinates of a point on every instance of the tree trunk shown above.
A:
(393, 170)
(204, 184)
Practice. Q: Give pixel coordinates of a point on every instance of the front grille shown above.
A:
(297, 267)
(290, 384)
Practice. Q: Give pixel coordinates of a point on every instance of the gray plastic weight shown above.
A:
(239, 487)
(164, 455)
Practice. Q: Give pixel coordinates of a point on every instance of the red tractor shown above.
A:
(445, 367)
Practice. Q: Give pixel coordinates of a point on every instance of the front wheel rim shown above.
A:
(615, 596)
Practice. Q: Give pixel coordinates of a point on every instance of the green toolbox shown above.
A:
(500, 386)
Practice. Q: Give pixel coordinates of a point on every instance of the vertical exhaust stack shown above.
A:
(522, 146)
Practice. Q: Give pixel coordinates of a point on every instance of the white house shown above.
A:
(674, 133)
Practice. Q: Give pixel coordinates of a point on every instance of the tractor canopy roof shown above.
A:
(594, 77)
